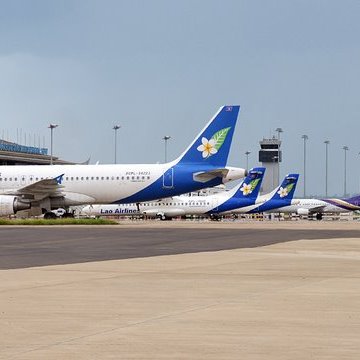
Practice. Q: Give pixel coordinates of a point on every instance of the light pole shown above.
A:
(279, 131)
(166, 138)
(115, 128)
(305, 138)
(51, 127)
(359, 177)
(247, 153)
(345, 148)
(326, 142)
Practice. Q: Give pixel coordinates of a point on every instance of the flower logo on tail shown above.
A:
(212, 146)
(282, 192)
(246, 189)
(285, 191)
(207, 147)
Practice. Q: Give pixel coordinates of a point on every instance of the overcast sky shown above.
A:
(164, 67)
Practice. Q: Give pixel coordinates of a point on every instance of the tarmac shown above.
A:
(181, 290)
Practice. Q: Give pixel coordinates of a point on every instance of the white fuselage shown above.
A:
(301, 206)
(261, 199)
(84, 184)
(101, 184)
(175, 206)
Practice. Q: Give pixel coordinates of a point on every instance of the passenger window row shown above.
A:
(97, 178)
(172, 204)
(82, 178)
(8, 179)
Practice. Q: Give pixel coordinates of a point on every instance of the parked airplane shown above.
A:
(47, 187)
(318, 207)
(243, 194)
(277, 199)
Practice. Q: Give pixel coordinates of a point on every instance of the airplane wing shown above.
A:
(40, 189)
(317, 209)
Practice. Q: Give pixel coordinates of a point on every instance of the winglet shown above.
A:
(59, 179)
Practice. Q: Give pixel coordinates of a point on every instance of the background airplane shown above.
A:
(47, 187)
(318, 207)
(277, 199)
(244, 194)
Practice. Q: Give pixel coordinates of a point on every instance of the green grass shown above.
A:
(67, 221)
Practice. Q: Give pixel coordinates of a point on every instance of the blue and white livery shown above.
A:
(277, 199)
(243, 194)
(202, 165)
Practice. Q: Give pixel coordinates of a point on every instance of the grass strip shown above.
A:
(67, 221)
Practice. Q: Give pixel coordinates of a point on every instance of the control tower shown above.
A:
(270, 157)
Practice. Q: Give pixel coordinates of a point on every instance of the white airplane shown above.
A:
(318, 207)
(241, 195)
(48, 187)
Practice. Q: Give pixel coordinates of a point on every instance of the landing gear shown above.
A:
(319, 216)
(215, 217)
(162, 217)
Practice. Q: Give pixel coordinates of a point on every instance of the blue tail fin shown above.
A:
(287, 188)
(250, 186)
(279, 197)
(212, 145)
(245, 193)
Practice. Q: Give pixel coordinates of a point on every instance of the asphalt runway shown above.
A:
(280, 290)
(23, 247)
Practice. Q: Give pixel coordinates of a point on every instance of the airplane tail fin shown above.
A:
(250, 186)
(287, 188)
(355, 200)
(212, 145)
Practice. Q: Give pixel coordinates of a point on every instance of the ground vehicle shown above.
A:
(57, 213)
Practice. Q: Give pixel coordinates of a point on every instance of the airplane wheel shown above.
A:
(49, 215)
(215, 218)
(319, 216)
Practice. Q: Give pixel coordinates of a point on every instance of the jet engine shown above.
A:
(164, 212)
(303, 211)
(9, 205)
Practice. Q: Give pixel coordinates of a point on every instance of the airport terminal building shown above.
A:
(15, 154)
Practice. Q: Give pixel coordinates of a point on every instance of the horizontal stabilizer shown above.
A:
(224, 173)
